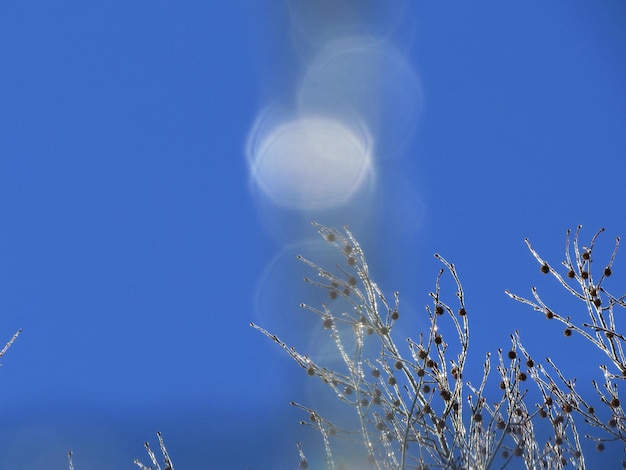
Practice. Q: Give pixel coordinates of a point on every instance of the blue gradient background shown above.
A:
(132, 251)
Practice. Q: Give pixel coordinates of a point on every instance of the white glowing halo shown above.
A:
(366, 77)
(310, 162)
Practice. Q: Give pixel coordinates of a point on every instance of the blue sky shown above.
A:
(136, 244)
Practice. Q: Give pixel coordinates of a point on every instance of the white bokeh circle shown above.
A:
(310, 162)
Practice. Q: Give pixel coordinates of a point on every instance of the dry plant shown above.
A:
(166, 458)
(413, 407)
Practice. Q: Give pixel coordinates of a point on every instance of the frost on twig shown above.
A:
(166, 459)
(412, 404)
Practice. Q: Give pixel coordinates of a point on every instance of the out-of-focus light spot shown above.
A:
(366, 78)
(317, 21)
(311, 162)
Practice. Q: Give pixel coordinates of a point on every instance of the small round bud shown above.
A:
(439, 310)
(310, 371)
(512, 354)
(584, 275)
(375, 373)
(352, 281)
(614, 402)
(597, 302)
(420, 372)
(347, 390)
(332, 294)
(398, 365)
(426, 388)
(392, 380)
(545, 268)
(478, 417)
(549, 314)
(543, 413)
(395, 315)
(530, 363)
(328, 323)
(389, 416)
(586, 255)
(462, 312)
(351, 261)
(438, 339)
(607, 271)
(330, 237)
(558, 441)
(521, 376)
(446, 395)
(347, 249)
(567, 332)
(599, 446)
(571, 274)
